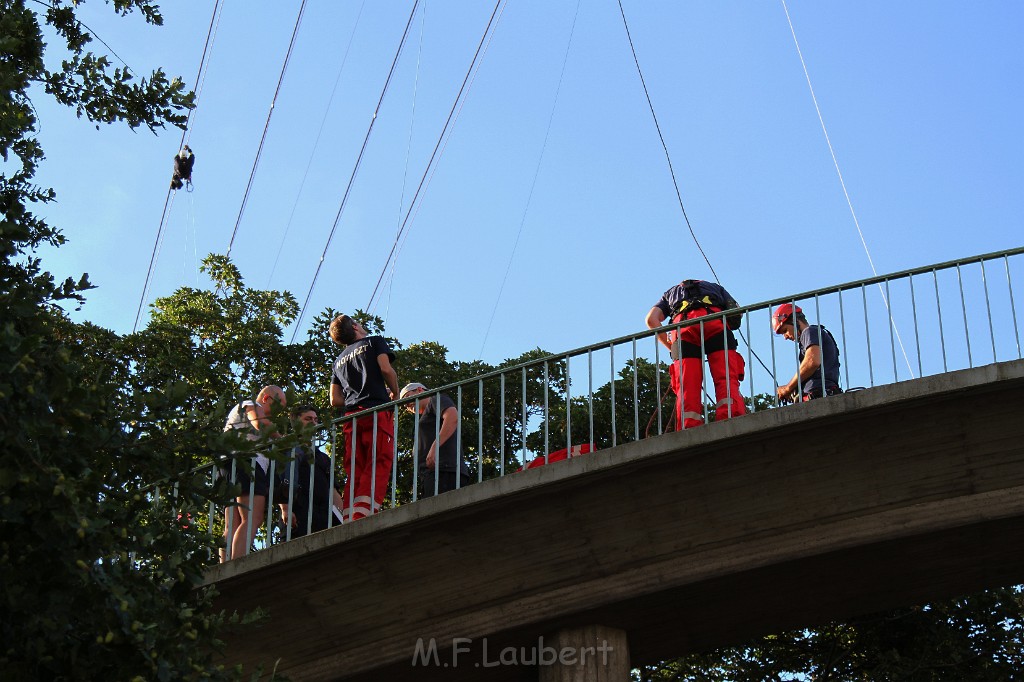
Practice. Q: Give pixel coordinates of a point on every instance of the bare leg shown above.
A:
(249, 523)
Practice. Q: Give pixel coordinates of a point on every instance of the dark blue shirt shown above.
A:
(817, 335)
(694, 291)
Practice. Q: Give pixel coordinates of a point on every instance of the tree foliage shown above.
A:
(99, 582)
(979, 638)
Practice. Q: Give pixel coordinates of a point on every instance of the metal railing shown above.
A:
(890, 328)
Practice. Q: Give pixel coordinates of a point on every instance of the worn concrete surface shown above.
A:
(779, 519)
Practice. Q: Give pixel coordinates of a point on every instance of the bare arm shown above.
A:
(390, 376)
(808, 366)
(449, 424)
(258, 419)
(654, 319)
(337, 396)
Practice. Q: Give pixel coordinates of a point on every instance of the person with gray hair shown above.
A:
(243, 519)
(439, 462)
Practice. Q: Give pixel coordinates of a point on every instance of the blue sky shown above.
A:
(922, 100)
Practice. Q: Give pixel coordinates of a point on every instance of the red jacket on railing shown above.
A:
(559, 455)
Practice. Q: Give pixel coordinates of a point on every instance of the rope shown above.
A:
(266, 126)
(452, 116)
(533, 185)
(355, 171)
(167, 200)
(316, 143)
(661, 137)
(849, 202)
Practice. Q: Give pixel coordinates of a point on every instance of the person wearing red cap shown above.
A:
(819, 356)
(689, 300)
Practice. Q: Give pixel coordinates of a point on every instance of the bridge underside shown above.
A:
(780, 519)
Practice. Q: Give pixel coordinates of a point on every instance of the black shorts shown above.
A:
(243, 479)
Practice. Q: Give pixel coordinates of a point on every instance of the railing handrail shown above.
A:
(739, 310)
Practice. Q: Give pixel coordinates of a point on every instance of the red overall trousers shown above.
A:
(367, 486)
(688, 370)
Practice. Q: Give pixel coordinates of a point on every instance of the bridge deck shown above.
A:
(779, 519)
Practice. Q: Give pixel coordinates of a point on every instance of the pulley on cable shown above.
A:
(183, 162)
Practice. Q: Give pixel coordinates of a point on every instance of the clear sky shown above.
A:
(922, 100)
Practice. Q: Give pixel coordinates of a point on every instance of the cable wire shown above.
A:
(210, 35)
(533, 185)
(452, 116)
(266, 126)
(661, 137)
(408, 156)
(444, 147)
(316, 144)
(355, 170)
(849, 202)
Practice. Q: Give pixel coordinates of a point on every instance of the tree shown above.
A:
(979, 637)
(97, 582)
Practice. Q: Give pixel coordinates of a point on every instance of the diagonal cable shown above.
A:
(266, 126)
(849, 202)
(428, 172)
(355, 171)
(200, 78)
(533, 185)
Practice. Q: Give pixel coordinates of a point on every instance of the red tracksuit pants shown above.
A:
(727, 369)
(366, 484)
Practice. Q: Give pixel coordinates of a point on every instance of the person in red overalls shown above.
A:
(692, 299)
(363, 379)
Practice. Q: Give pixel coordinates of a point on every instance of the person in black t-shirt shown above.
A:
(364, 379)
(442, 467)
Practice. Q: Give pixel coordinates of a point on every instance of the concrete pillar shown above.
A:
(594, 653)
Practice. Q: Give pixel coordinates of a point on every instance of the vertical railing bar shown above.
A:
(917, 334)
(352, 472)
(636, 398)
(309, 510)
(480, 431)
(938, 307)
(373, 464)
(657, 379)
(892, 338)
(416, 450)
(703, 365)
(394, 466)
(963, 307)
(750, 366)
(547, 413)
(821, 344)
(611, 382)
(775, 370)
(796, 351)
(249, 535)
(523, 429)
(437, 441)
(501, 464)
(458, 439)
(867, 334)
(590, 397)
(842, 323)
(988, 309)
(728, 383)
(1013, 307)
(270, 502)
(568, 405)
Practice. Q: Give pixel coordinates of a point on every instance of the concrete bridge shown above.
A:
(784, 518)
